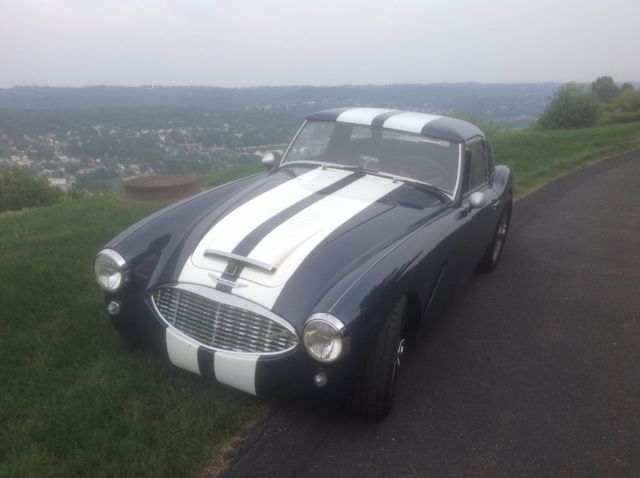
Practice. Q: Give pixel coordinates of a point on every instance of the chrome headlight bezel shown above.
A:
(325, 328)
(111, 270)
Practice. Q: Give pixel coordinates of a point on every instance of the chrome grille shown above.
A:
(221, 326)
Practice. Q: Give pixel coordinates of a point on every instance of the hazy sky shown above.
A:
(316, 42)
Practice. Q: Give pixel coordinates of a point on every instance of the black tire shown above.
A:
(493, 253)
(374, 392)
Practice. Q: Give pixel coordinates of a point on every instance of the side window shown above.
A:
(477, 164)
(360, 132)
(491, 165)
(312, 142)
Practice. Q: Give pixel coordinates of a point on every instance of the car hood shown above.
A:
(298, 233)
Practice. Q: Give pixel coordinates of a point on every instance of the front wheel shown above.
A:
(492, 255)
(374, 392)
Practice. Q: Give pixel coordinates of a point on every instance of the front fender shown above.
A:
(412, 267)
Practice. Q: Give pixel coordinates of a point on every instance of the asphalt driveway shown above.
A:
(535, 371)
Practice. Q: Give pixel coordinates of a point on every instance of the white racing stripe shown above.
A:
(236, 370)
(183, 352)
(363, 116)
(410, 122)
(288, 245)
(231, 368)
(236, 225)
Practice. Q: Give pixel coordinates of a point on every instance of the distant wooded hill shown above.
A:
(511, 104)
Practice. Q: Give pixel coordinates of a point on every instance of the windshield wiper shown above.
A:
(423, 185)
(403, 179)
(348, 167)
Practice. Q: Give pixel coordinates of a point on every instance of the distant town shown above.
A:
(96, 136)
(97, 150)
(63, 160)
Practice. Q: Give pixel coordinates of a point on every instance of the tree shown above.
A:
(605, 89)
(571, 106)
(19, 190)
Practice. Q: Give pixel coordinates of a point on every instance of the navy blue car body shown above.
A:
(307, 278)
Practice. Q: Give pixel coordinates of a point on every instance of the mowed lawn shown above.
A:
(75, 401)
(535, 157)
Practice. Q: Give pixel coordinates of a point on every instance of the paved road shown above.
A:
(534, 372)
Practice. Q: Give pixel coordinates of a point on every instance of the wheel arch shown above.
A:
(413, 316)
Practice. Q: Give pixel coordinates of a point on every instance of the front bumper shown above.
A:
(286, 374)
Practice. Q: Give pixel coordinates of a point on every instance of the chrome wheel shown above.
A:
(500, 237)
(398, 360)
(494, 249)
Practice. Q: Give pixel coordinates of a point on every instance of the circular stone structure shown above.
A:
(168, 187)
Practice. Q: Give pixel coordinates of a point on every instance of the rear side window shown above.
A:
(477, 164)
(312, 142)
(491, 165)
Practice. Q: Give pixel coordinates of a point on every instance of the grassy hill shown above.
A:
(537, 156)
(77, 402)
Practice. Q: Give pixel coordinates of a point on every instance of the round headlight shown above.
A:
(111, 270)
(325, 338)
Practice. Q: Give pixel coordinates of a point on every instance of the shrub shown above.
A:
(623, 108)
(572, 106)
(626, 87)
(19, 190)
(76, 191)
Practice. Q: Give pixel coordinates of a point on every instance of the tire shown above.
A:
(493, 253)
(374, 392)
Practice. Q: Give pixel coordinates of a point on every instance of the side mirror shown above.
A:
(269, 160)
(477, 200)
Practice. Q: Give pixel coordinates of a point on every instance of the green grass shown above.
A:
(75, 400)
(536, 157)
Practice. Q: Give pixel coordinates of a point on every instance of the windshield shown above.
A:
(404, 155)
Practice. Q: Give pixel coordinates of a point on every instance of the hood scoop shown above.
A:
(239, 258)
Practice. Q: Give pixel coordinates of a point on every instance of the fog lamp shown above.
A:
(113, 308)
(320, 379)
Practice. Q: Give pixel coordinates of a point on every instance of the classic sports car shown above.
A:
(309, 277)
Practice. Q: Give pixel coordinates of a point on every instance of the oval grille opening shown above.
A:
(221, 326)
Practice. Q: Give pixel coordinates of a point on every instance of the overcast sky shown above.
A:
(315, 42)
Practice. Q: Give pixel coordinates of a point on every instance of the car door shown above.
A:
(483, 219)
